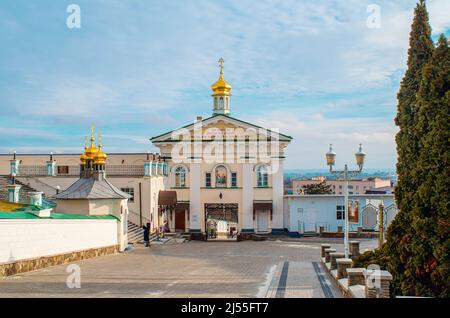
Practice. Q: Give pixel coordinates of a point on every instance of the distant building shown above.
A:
(337, 186)
(381, 190)
(313, 214)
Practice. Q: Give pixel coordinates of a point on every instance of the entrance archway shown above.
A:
(221, 220)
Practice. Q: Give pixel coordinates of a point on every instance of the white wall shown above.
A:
(321, 210)
(23, 239)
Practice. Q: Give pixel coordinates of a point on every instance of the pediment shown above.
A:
(220, 125)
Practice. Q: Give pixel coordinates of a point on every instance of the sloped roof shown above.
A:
(89, 188)
(167, 197)
(227, 118)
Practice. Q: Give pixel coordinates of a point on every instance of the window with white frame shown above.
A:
(208, 179)
(262, 177)
(234, 179)
(340, 212)
(180, 177)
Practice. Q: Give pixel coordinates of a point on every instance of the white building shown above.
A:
(225, 169)
(316, 213)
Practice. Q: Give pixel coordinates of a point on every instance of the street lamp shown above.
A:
(346, 175)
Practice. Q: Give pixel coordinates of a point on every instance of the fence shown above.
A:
(73, 171)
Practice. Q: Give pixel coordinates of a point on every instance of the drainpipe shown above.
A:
(140, 204)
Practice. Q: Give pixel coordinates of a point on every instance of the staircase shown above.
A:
(24, 190)
(135, 233)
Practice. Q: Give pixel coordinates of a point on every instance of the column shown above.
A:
(147, 168)
(13, 193)
(377, 283)
(51, 171)
(35, 198)
(247, 198)
(277, 195)
(194, 198)
(14, 167)
(342, 265)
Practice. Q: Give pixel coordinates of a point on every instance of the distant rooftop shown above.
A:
(89, 188)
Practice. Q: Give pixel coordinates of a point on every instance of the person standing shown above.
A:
(146, 234)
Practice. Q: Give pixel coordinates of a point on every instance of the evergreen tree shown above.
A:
(430, 264)
(398, 254)
(398, 245)
(317, 188)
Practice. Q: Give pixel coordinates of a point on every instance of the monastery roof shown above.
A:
(225, 117)
(89, 188)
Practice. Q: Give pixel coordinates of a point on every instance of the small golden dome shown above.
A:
(221, 87)
(91, 151)
(100, 156)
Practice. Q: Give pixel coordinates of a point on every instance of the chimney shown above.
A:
(35, 198)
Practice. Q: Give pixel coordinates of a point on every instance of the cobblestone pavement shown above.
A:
(194, 269)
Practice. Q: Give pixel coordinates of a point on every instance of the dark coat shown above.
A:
(146, 233)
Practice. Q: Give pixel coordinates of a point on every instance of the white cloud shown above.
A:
(312, 137)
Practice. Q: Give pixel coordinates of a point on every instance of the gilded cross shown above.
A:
(221, 61)
(99, 138)
(92, 133)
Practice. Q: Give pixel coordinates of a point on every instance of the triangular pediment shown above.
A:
(220, 125)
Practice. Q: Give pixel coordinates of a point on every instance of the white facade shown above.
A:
(29, 238)
(242, 174)
(308, 213)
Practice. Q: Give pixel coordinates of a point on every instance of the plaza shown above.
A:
(287, 268)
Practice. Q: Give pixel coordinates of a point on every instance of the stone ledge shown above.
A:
(357, 291)
(31, 264)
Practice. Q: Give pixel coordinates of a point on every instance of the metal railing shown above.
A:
(32, 171)
(73, 171)
(124, 170)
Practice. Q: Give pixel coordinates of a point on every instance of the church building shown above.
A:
(226, 173)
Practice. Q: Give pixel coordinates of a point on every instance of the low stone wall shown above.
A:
(355, 282)
(26, 265)
(351, 234)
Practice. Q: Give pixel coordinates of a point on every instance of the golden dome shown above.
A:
(91, 151)
(221, 87)
(100, 156)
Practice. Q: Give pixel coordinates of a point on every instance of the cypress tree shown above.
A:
(398, 250)
(429, 266)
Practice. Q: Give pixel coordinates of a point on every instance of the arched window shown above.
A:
(262, 178)
(180, 177)
(221, 177)
(221, 103)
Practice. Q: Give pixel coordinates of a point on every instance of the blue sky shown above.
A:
(312, 69)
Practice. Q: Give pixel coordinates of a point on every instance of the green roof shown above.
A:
(59, 216)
